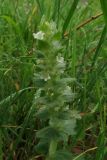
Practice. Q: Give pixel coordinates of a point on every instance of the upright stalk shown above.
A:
(52, 149)
(53, 92)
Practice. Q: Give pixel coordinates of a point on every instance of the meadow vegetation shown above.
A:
(53, 80)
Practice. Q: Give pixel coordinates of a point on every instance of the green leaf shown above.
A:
(68, 95)
(43, 45)
(12, 23)
(70, 15)
(43, 114)
(12, 96)
(104, 8)
(39, 54)
(39, 82)
(101, 41)
(66, 80)
(75, 114)
(42, 146)
(48, 133)
(64, 126)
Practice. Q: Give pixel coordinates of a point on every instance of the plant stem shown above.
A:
(52, 149)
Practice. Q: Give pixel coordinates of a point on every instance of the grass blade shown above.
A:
(103, 36)
(104, 8)
(7, 99)
(70, 15)
(39, 5)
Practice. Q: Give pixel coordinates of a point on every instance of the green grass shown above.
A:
(86, 56)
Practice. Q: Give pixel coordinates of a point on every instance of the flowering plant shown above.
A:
(53, 94)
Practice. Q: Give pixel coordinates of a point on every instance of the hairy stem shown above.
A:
(52, 149)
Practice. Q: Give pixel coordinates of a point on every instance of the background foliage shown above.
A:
(85, 53)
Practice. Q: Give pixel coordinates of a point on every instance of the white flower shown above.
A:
(66, 108)
(39, 61)
(56, 45)
(60, 63)
(67, 91)
(47, 78)
(39, 35)
(60, 59)
(53, 27)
